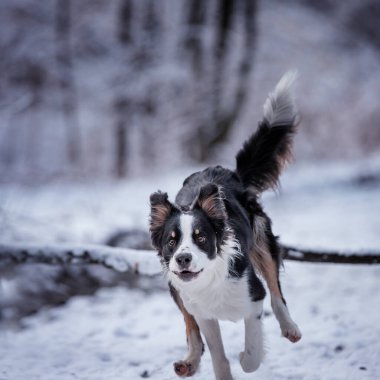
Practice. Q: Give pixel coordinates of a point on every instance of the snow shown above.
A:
(128, 333)
(89, 212)
(122, 334)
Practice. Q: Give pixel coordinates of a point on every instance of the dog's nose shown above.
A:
(183, 259)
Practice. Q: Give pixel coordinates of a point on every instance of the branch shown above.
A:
(119, 259)
(314, 256)
(145, 262)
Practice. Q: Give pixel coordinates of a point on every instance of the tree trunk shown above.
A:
(193, 35)
(225, 119)
(215, 128)
(122, 110)
(66, 80)
(193, 52)
(121, 103)
(124, 22)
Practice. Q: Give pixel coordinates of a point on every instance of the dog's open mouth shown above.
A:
(187, 275)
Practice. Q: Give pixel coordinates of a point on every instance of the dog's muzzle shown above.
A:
(186, 275)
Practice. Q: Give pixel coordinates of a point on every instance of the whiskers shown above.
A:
(165, 269)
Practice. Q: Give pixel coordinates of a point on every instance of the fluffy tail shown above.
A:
(263, 156)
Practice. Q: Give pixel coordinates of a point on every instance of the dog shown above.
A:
(215, 242)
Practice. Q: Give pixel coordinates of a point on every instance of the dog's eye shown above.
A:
(171, 243)
(201, 239)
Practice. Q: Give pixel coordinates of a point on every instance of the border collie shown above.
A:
(215, 242)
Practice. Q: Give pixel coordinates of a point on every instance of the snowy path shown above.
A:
(123, 334)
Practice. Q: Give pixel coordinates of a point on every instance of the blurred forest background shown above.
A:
(147, 91)
(102, 89)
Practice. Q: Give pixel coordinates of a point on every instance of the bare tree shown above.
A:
(216, 126)
(122, 104)
(224, 120)
(148, 110)
(122, 110)
(137, 110)
(193, 52)
(124, 22)
(196, 15)
(66, 79)
(146, 52)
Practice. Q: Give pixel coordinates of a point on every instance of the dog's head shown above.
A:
(190, 240)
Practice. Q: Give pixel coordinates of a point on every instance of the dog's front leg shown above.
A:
(252, 356)
(211, 331)
(188, 366)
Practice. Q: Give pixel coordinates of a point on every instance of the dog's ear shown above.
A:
(211, 202)
(160, 209)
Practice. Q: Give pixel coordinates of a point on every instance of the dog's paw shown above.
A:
(291, 331)
(249, 363)
(184, 368)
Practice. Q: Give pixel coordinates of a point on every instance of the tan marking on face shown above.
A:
(196, 231)
(173, 234)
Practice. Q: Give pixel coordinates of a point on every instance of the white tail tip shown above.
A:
(279, 107)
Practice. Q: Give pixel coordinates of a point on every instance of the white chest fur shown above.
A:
(228, 301)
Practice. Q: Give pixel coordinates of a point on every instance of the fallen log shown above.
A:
(145, 261)
(336, 257)
(119, 259)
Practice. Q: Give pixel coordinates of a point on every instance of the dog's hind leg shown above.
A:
(188, 366)
(288, 327)
(266, 258)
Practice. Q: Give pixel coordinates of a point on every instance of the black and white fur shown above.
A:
(215, 239)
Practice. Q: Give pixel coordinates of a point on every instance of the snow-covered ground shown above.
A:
(121, 333)
(318, 205)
